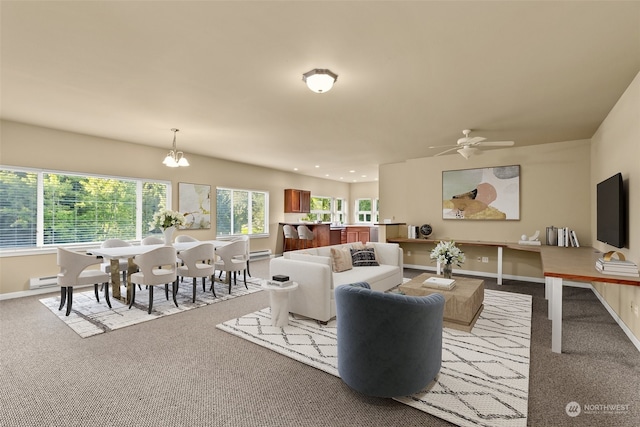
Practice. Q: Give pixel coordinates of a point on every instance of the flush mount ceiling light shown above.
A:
(320, 80)
(175, 158)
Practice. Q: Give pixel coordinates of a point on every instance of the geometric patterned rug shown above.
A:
(89, 317)
(484, 379)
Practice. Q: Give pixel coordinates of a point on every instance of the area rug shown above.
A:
(484, 379)
(89, 317)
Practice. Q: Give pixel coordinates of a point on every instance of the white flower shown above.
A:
(448, 253)
(166, 218)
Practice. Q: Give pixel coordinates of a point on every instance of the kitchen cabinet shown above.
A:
(361, 234)
(297, 201)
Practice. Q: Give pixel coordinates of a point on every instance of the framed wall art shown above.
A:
(486, 193)
(194, 202)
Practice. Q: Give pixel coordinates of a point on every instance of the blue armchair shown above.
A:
(388, 344)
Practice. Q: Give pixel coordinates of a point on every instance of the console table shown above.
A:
(571, 264)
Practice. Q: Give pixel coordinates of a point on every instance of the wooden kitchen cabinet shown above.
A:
(361, 234)
(297, 201)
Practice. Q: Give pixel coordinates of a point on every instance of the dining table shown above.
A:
(115, 254)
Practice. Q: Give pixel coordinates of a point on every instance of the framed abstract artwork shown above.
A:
(194, 202)
(486, 193)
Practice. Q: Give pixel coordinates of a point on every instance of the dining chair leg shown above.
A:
(69, 299)
(166, 291)
(229, 276)
(63, 296)
(175, 291)
(151, 298)
(194, 288)
(106, 294)
(133, 296)
(95, 291)
(248, 272)
(203, 288)
(213, 289)
(245, 279)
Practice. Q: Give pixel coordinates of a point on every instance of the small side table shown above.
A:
(279, 297)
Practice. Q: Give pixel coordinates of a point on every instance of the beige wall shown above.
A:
(38, 147)
(615, 147)
(554, 190)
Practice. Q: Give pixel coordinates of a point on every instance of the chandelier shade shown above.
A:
(320, 80)
(175, 158)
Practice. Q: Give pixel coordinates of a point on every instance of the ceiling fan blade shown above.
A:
(441, 146)
(475, 140)
(446, 151)
(497, 143)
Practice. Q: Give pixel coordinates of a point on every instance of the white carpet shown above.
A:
(89, 317)
(484, 380)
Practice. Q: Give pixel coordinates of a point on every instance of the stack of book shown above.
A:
(567, 238)
(617, 267)
(439, 283)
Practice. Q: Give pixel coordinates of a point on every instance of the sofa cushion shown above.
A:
(311, 258)
(364, 257)
(340, 260)
(370, 275)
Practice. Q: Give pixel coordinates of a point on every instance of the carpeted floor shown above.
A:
(484, 379)
(182, 371)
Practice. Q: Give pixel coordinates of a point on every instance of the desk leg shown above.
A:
(547, 296)
(114, 265)
(556, 314)
(499, 265)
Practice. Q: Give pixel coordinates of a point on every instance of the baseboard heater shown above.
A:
(43, 282)
(260, 254)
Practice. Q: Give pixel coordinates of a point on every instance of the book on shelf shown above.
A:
(567, 238)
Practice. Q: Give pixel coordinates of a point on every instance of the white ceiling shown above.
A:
(229, 75)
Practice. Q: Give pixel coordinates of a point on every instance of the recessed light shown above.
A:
(326, 174)
(352, 171)
(363, 176)
(317, 166)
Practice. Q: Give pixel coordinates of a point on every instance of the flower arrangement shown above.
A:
(448, 253)
(166, 218)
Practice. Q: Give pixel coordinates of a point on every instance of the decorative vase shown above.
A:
(447, 270)
(168, 235)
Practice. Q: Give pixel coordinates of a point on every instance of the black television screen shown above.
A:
(611, 211)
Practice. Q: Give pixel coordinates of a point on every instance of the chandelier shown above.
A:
(319, 80)
(175, 158)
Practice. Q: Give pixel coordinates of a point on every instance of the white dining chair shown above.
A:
(157, 267)
(73, 273)
(198, 262)
(152, 240)
(229, 258)
(185, 238)
(123, 264)
(247, 253)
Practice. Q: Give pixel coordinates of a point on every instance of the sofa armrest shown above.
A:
(313, 296)
(389, 253)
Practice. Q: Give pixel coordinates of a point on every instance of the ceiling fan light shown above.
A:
(467, 152)
(175, 158)
(319, 80)
(183, 161)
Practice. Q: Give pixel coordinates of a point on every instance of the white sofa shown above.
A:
(312, 270)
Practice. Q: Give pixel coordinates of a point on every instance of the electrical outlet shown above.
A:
(485, 259)
(408, 253)
(635, 309)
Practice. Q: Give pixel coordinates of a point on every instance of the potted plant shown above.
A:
(447, 253)
(167, 220)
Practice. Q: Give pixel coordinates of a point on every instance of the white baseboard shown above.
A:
(634, 340)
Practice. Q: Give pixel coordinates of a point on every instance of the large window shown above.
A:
(367, 210)
(241, 212)
(326, 209)
(45, 208)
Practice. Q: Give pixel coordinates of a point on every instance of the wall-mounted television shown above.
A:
(611, 211)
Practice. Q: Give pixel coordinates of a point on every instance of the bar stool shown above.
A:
(290, 235)
(305, 236)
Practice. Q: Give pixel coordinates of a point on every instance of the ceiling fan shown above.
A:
(467, 146)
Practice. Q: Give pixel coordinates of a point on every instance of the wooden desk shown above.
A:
(571, 264)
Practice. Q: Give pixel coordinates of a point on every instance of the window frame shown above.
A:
(374, 212)
(250, 194)
(40, 246)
